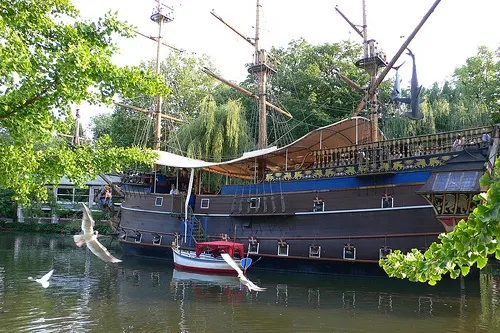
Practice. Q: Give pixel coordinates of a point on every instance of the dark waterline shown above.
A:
(88, 295)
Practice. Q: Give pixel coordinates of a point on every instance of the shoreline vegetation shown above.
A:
(70, 227)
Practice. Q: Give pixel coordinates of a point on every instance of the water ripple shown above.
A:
(88, 295)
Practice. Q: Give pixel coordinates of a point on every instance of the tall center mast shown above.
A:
(373, 60)
(160, 18)
(262, 70)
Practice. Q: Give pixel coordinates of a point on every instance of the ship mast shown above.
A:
(373, 60)
(261, 69)
(262, 72)
(76, 138)
(160, 18)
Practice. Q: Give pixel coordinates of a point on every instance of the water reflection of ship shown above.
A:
(195, 290)
(387, 298)
(221, 288)
(186, 295)
(190, 278)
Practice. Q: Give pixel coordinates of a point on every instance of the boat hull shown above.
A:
(187, 260)
(369, 231)
(361, 219)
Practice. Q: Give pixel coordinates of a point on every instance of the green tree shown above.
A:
(101, 125)
(307, 86)
(7, 206)
(50, 59)
(218, 133)
(477, 80)
(189, 85)
(467, 245)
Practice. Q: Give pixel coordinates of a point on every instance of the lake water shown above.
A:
(88, 295)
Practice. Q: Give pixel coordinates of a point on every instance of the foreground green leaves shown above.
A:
(26, 169)
(469, 244)
(51, 60)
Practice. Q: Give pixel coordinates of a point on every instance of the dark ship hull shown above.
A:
(368, 230)
(325, 219)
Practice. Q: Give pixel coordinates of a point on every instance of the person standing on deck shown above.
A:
(174, 190)
(485, 138)
(457, 144)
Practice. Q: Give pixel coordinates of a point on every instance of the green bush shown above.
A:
(7, 205)
(52, 228)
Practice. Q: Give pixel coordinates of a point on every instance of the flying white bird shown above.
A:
(89, 237)
(243, 279)
(44, 280)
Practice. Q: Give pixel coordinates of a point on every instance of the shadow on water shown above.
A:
(87, 294)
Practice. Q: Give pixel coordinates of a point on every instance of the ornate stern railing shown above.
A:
(386, 157)
(390, 155)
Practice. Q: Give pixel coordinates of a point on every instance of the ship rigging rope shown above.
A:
(141, 136)
(280, 123)
(172, 139)
(304, 104)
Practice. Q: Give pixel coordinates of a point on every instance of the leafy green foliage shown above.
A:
(50, 60)
(470, 243)
(52, 228)
(307, 86)
(474, 87)
(189, 85)
(218, 133)
(7, 206)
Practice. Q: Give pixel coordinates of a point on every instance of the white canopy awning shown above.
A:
(177, 161)
(348, 132)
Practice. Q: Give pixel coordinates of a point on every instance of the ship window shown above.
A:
(315, 251)
(253, 248)
(384, 251)
(349, 252)
(138, 236)
(205, 203)
(157, 239)
(387, 202)
(318, 204)
(455, 181)
(254, 203)
(283, 249)
(159, 201)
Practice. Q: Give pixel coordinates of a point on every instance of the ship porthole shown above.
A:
(349, 252)
(205, 203)
(384, 251)
(283, 248)
(159, 201)
(157, 239)
(253, 248)
(314, 251)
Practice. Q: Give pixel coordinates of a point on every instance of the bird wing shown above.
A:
(250, 285)
(87, 221)
(253, 286)
(100, 251)
(232, 263)
(47, 276)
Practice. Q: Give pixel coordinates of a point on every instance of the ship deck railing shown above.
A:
(366, 155)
